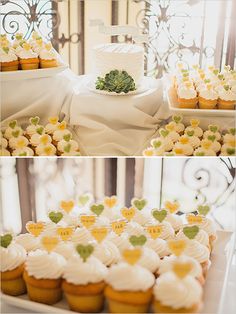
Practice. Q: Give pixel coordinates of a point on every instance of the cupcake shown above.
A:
(213, 130)
(4, 152)
(175, 220)
(46, 150)
(229, 137)
(211, 143)
(162, 144)
(67, 145)
(3, 142)
(129, 288)
(84, 281)
(81, 235)
(194, 140)
(107, 252)
(169, 134)
(13, 257)
(227, 99)
(227, 150)
(33, 127)
(42, 275)
(207, 98)
(184, 145)
(36, 138)
(178, 125)
(150, 151)
(24, 151)
(8, 60)
(159, 246)
(52, 125)
(201, 236)
(13, 130)
(204, 151)
(28, 58)
(194, 127)
(18, 142)
(48, 57)
(60, 132)
(187, 97)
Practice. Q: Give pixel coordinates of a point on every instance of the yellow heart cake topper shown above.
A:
(99, 233)
(178, 151)
(49, 243)
(118, 226)
(110, 202)
(128, 213)
(194, 123)
(194, 219)
(53, 120)
(131, 256)
(155, 231)
(172, 207)
(182, 269)
(184, 139)
(176, 246)
(67, 206)
(26, 47)
(87, 220)
(65, 233)
(62, 126)
(35, 228)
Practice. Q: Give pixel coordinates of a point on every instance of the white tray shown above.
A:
(214, 289)
(173, 106)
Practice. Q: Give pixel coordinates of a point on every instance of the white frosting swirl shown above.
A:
(27, 54)
(46, 150)
(7, 57)
(12, 256)
(66, 249)
(159, 246)
(8, 133)
(120, 241)
(227, 95)
(142, 217)
(47, 54)
(107, 253)
(208, 94)
(187, 93)
(208, 226)
(82, 235)
(133, 228)
(149, 260)
(175, 221)
(198, 251)
(28, 241)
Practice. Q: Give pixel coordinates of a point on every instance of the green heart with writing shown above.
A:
(211, 138)
(67, 148)
(203, 209)
(39, 130)
(232, 131)
(200, 154)
(84, 251)
(16, 133)
(138, 240)
(139, 203)
(12, 124)
(213, 128)
(97, 209)
(5, 240)
(156, 144)
(159, 215)
(177, 119)
(34, 120)
(191, 232)
(67, 137)
(164, 132)
(83, 199)
(190, 133)
(55, 216)
(230, 151)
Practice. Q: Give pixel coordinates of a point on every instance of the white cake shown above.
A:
(126, 57)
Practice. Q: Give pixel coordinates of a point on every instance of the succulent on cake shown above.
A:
(116, 81)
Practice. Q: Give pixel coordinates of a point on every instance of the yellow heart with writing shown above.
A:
(118, 226)
(49, 243)
(99, 233)
(67, 206)
(35, 228)
(110, 202)
(87, 220)
(65, 233)
(128, 213)
(172, 207)
(177, 247)
(131, 256)
(182, 269)
(155, 231)
(194, 219)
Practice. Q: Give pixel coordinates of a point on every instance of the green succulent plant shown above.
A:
(116, 81)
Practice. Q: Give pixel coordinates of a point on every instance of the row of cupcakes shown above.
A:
(176, 139)
(53, 139)
(22, 54)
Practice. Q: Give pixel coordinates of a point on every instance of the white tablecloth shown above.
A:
(123, 126)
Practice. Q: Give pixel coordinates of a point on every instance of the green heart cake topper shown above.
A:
(139, 203)
(83, 199)
(230, 151)
(84, 251)
(55, 216)
(40, 130)
(232, 131)
(16, 133)
(67, 148)
(159, 215)
(190, 133)
(156, 144)
(67, 137)
(6, 49)
(6, 240)
(216, 71)
(164, 132)
(34, 120)
(211, 138)
(226, 87)
(177, 119)
(97, 209)
(203, 209)
(213, 128)
(138, 240)
(12, 124)
(191, 232)
(220, 77)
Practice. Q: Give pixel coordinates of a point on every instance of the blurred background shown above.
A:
(32, 186)
(194, 31)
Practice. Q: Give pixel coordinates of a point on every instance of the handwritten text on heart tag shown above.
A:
(128, 213)
(155, 231)
(35, 228)
(139, 203)
(99, 233)
(67, 206)
(118, 226)
(131, 256)
(110, 202)
(177, 247)
(84, 251)
(65, 233)
(159, 215)
(87, 220)
(49, 243)
(194, 219)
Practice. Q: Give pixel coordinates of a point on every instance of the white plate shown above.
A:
(31, 74)
(214, 289)
(173, 106)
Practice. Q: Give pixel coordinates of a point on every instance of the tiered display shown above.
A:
(176, 139)
(210, 89)
(24, 54)
(135, 258)
(54, 139)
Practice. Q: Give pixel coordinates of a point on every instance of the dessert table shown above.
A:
(123, 126)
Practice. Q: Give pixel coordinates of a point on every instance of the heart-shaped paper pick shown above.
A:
(97, 209)
(177, 119)
(194, 219)
(164, 132)
(154, 231)
(172, 207)
(138, 240)
(232, 131)
(203, 209)
(190, 133)
(34, 120)
(159, 215)
(230, 151)
(128, 213)
(177, 247)
(156, 144)
(182, 269)
(67, 206)
(110, 202)
(53, 120)
(12, 124)
(87, 220)
(194, 123)
(211, 138)
(139, 203)
(213, 128)
(131, 256)
(15, 133)
(191, 232)
(35, 228)
(118, 226)
(84, 251)
(83, 199)
(49, 243)
(99, 233)
(65, 233)
(6, 240)
(55, 216)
